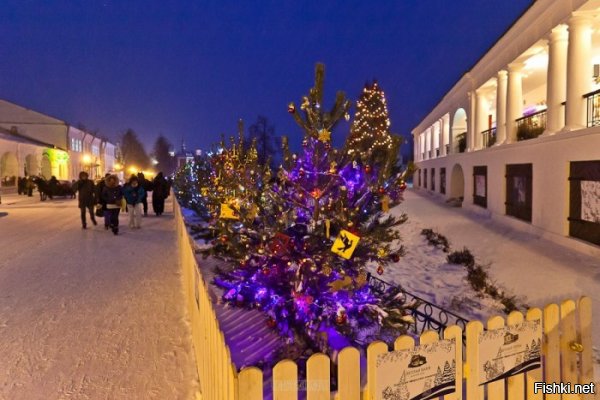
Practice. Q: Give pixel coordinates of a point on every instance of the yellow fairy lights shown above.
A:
(371, 123)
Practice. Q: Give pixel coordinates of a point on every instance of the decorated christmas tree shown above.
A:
(370, 140)
(319, 227)
(235, 197)
(191, 183)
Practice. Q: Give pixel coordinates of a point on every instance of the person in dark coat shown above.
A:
(87, 197)
(29, 186)
(112, 195)
(160, 191)
(52, 186)
(99, 187)
(147, 186)
(21, 185)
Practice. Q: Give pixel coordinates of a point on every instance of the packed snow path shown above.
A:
(536, 270)
(85, 314)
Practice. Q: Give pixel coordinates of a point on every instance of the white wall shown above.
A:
(550, 157)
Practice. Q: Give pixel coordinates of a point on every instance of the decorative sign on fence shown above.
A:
(421, 373)
(509, 351)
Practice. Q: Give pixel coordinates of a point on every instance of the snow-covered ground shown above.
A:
(536, 270)
(87, 315)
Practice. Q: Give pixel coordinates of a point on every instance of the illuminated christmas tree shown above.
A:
(321, 223)
(370, 140)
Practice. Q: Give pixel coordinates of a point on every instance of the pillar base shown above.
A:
(572, 128)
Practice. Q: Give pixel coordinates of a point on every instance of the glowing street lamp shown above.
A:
(87, 159)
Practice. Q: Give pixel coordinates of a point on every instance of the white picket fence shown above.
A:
(566, 353)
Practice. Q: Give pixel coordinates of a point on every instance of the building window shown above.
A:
(76, 145)
(519, 179)
(419, 178)
(584, 205)
(443, 180)
(480, 186)
(425, 178)
(433, 179)
(95, 150)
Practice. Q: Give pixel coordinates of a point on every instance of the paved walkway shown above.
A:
(88, 315)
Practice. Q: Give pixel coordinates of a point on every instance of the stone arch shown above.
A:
(46, 167)
(457, 182)
(9, 168)
(31, 165)
(459, 127)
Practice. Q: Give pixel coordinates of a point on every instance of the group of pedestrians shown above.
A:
(110, 198)
(25, 185)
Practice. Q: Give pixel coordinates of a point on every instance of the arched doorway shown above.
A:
(46, 167)
(457, 182)
(31, 165)
(459, 131)
(9, 169)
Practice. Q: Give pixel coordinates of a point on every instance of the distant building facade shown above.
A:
(32, 143)
(518, 136)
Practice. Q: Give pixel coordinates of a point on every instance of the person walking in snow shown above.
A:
(87, 197)
(112, 195)
(134, 195)
(160, 192)
(99, 188)
(147, 185)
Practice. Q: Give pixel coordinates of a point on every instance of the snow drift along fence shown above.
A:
(566, 353)
(217, 374)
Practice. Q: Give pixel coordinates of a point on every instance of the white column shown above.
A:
(501, 107)
(471, 121)
(415, 147)
(431, 142)
(481, 119)
(514, 101)
(444, 128)
(556, 89)
(579, 70)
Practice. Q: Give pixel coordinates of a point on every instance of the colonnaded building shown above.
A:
(32, 143)
(517, 138)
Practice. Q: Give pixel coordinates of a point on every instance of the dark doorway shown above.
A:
(480, 186)
(519, 198)
(584, 201)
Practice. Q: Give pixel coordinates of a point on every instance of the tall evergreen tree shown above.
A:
(308, 271)
(133, 152)
(166, 163)
(370, 139)
(263, 133)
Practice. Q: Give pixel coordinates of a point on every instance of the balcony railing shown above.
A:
(593, 108)
(447, 149)
(489, 137)
(531, 126)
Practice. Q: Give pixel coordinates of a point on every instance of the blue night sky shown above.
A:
(190, 69)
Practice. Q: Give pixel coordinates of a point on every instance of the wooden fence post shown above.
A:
(285, 380)
(349, 374)
(585, 330)
(533, 314)
(455, 332)
(318, 378)
(568, 336)
(471, 370)
(250, 384)
(516, 384)
(495, 390)
(373, 350)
